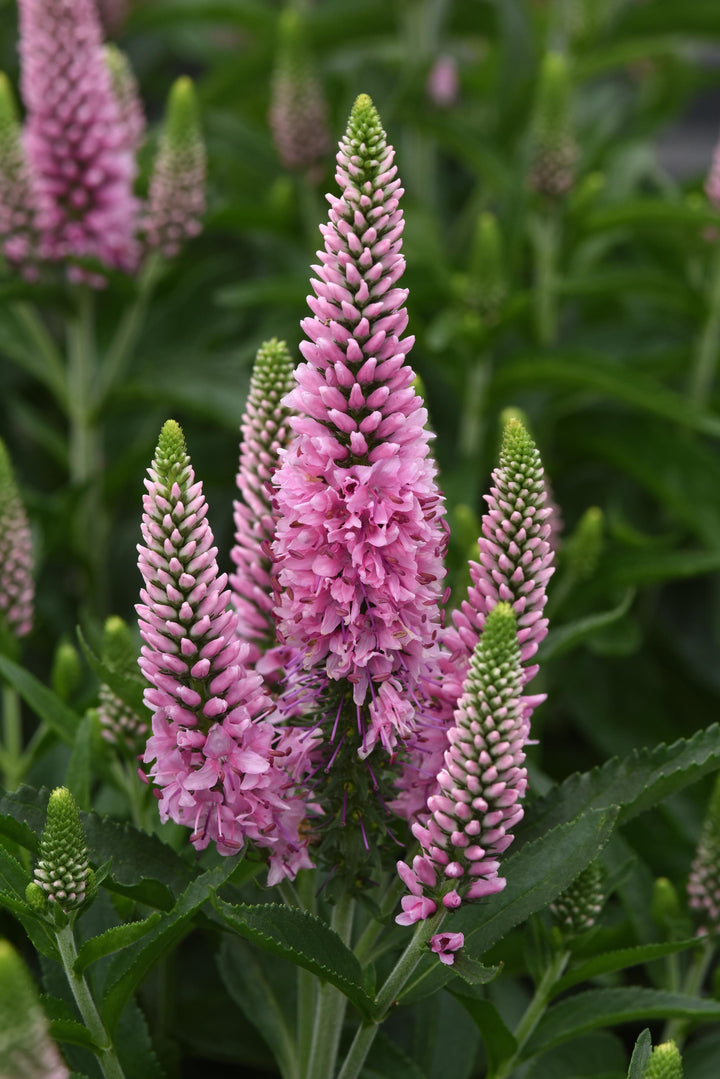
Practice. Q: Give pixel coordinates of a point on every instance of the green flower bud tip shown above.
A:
(62, 871)
(118, 648)
(576, 910)
(552, 116)
(171, 454)
(36, 898)
(584, 547)
(665, 1063)
(26, 1049)
(665, 903)
(182, 123)
(66, 670)
(8, 109)
(486, 263)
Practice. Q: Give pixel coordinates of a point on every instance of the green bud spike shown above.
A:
(9, 121)
(583, 548)
(118, 646)
(365, 140)
(577, 908)
(665, 904)
(66, 672)
(554, 151)
(26, 1049)
(171, 455)
(182, 115)
(487, 264)
(704, 882)
(665, 1063)
(62, 871)
(498, 644)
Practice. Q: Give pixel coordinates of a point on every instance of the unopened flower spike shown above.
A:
(264, 429)
(361, 532)
(554, 151)
(470, 820)
(17, 588)
(583, 548)
(120, 724)
(298, 112)
(487, 284)
(219, 766)
(26, 1049)
(712, 184)
(577, 908)
(665, 1062)
(127, 95)
(176, 197)
(62, 877)
(75, 140)
(18, 225)
(704, 882)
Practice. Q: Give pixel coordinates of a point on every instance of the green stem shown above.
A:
(470, 429)
(307, 986)
(117, 356)
(394, 983)
(12, 737)
(703, 372)
(38, 335)
(534, 1012)
(545, 233)
(331, 1005)
(375, 926)
(676, 1029)
(86, 1005)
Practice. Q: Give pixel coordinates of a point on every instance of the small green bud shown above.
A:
(26, 1048)
(583, 548)
(665, 1063)
(665, 904)
(62, 872)
(577, 908)
(554, 150)
(66, 673)
(118, 646)
(182, 116)
(487, 265)
(36, 898)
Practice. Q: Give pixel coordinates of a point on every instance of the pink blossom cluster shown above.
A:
(712, 184)
(480, 787)
(704, 882)
(18, 228)
(443, 83)
(265, 429)
(361, 535)
(298, 111)
(219, 764)
(83, 171)
(17, 588)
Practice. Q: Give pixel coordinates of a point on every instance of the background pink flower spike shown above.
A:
(483, 780)
(361, 535)
(17, 587)
(265, 429)
(220, 765)
(74, 138)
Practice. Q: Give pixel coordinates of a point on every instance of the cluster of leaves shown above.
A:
(627, 266)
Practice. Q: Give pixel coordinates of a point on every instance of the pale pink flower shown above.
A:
(445, 945)
(443, 84)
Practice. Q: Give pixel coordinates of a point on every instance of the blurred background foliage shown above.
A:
(592, 311)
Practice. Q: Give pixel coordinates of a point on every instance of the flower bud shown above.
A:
(553, 148)
(665, 1063)
(17, 589)
(577, 908)
(62, 873)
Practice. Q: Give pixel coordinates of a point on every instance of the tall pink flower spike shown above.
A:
(480, 787)
(361, 532)
(18, 203)
(17, 588)
(74, 138)
(265, 429)
(218, 763)
(515, 565)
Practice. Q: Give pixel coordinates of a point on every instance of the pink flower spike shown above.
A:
(74, 137)
(18, 194)
(220, 765)
(265, 429)
(445, 945)
(298, 111)
(17, 588)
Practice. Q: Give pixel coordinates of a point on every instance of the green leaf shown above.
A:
(130, 968)
(620, 960)
(134, 1047)
(387, 1060)
(648, 213)
(586, 371)
(633, 783)
(474, 972)
(499, 1042)
(245, 979)
(648, 567)
(112, 940)
(72, 1031)
(42, 938)
(77, 776)
(640, 1056)
(49, 708)
(535, 876)
(565, 638)
(127, 687)
(302, 938)
(13, 876)
(606, 1007)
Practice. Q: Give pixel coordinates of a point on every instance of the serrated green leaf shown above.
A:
(620, 960)
(304, 939)
(499, 1042)
(125, 686)
(640, 1056)
(41, 937)
(43, 702)
(77, 775)
(589, 372)
(13, 877)
(72, 1031)
(134, 1047)
(535, 876)
(565, 638)
(130, 968)
(606, 1007)
(112, 940)
(633, 783)
(474, 972)
(245, 980)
